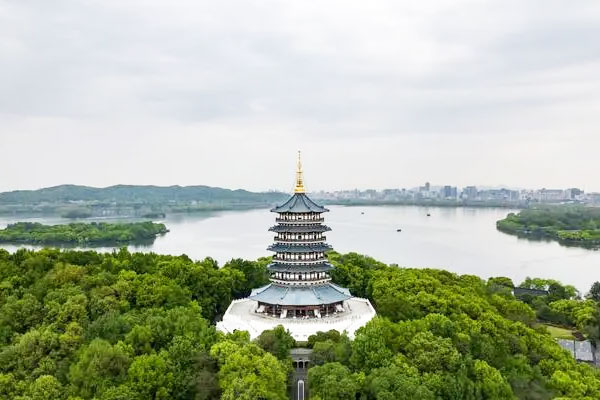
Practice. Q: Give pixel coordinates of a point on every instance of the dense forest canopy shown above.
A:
(83, 325)
(572, 225)
(95, 233)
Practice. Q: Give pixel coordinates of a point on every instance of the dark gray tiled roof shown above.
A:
(518, 291)
(300, 295)
(299, 248)
(580, 350)
(584, 351)
(283, 267)
(299, 203)
(299, 228)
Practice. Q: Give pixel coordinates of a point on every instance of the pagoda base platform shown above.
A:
(242, 315)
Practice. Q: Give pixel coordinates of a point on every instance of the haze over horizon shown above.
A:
(376, 95)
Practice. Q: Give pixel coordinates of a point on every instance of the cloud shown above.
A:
(247, 83)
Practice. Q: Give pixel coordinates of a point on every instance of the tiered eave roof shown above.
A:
(299, 248)
(299, 203)
(299, 228)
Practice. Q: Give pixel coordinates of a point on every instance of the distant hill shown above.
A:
(74, 201)
(137, 194)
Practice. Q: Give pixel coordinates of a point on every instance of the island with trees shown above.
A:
(79, 325)
(569, 225)
(82, 234)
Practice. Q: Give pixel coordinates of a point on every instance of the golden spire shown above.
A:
(299, 180)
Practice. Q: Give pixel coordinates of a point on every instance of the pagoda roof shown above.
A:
(283, 267)
(327, 293)
(300, 228)
(299, 203)
(299, 248)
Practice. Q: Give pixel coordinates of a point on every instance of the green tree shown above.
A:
(47, 387)
(99, 366)
(149, 376)
(276, 341)
(247, 372)
(595, 292)
(430, 353)
(333, 381)
(396, 383)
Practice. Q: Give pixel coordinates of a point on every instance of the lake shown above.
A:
(462, 240)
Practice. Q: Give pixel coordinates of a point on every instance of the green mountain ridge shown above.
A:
(137, 193)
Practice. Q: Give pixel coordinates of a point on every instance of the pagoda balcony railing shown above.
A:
(299, 221)
(292, 241)
(297, 282)
(288, 261)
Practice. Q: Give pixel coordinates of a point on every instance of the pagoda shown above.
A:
(300, 283)
(300, 295)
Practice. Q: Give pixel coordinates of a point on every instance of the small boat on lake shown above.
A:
(429, 215)
(398, 230)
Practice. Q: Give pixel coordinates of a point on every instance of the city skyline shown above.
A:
(435, 185)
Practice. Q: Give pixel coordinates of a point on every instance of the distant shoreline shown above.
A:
(354, 203)
(124, 212)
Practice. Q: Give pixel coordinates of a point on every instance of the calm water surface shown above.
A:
(462, 240)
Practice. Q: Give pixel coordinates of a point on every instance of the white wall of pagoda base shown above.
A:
(241, 315)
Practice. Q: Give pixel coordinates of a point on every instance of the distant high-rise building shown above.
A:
(469, 193)
(449, 192)
(551, 195)
(573, 193)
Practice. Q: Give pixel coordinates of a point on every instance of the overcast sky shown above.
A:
(376, 94)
